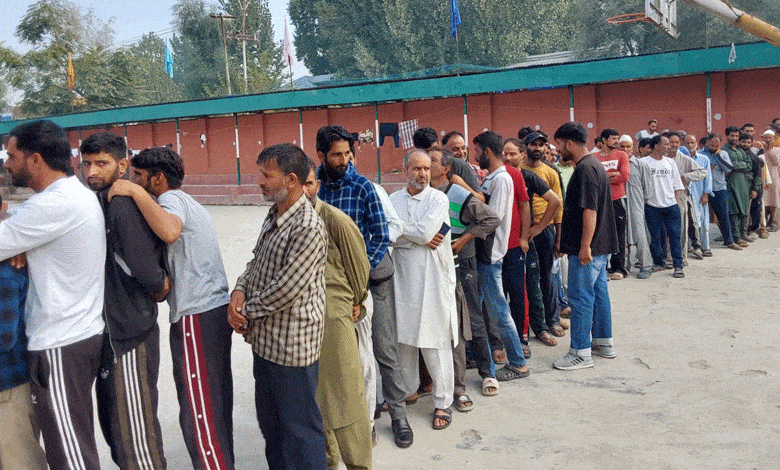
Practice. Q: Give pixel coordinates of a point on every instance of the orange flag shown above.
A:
(71, 74)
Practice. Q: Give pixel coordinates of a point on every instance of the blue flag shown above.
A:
(168, 60)
(455, 14)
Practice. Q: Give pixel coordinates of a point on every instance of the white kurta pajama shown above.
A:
(424, 284)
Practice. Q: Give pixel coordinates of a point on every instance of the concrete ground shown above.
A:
(696, 383)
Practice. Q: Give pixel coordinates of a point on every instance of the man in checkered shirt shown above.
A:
(278, 304)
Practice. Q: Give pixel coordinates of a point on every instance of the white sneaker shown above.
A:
(603, 351)
(572, 362)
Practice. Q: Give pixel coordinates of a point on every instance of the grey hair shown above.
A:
(409, 154)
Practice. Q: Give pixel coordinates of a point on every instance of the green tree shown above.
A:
(152, 83)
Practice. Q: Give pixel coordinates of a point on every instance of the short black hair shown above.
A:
(644, 142)
(572, 131)
(450, 135)
(424, 138)
(446, 156)
(746, 125)
(713, 135)
(490, 140)
(289, 158)
(607, 133)
(703, 141)
(524, 131)
(656, 140)
(46, 139)
(669, 134)
(161, 160)
(107, 142)
(731, 129)
(516, 142)
(327, 135)
(745, 136)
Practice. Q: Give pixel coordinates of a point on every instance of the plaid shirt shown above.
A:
(285, 287)
(355, 195)
(13, 340)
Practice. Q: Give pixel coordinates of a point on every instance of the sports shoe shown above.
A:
(603, 351)
(572, 362)
(697, 253)
(678, 273)
(644, 274)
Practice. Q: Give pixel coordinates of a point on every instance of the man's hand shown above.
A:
(535, 230)
(457, 245)
(121, 188)
(163, 294)
(456, 179)
(613, 176)
(585, 255)
(19, 261)
(435, 241)
(235, 317)
(753, 194)
(355, 313)
(524, 245)
(705, 199)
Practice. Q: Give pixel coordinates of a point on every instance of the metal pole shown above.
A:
(238, 155)
(300, 126)
(571, 103)
(465, 121)
(740, 19)
(709, 103)
(376, 140)
(222, 17)
(178, 137)
(243, 44)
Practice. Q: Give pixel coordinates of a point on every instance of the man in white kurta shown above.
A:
(424, 284)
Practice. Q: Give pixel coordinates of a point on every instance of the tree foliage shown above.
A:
(357, 38)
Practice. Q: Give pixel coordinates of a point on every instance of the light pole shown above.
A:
(222, 17)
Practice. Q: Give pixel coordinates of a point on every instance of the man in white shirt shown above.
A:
(650, 132)
(424, 284)
(663, 188)
(64, 306)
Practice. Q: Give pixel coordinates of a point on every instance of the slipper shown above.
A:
(508, 372)
(499, 356)
(546, 338)
(412, 399)
(487, 383)
(463, 403)
(446, 417)
(423, 392)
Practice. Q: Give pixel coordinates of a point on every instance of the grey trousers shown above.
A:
(385, 336)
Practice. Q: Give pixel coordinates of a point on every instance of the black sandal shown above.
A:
(446, 417)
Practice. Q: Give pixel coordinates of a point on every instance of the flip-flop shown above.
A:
(463, 403)
(488, 382)
(446, 417)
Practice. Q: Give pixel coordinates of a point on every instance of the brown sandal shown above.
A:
(546, 338)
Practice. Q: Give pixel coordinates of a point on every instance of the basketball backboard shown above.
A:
(663, 13)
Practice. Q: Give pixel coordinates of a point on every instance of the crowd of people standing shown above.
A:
(355, 302)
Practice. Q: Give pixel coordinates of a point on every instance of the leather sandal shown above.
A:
(546, 338)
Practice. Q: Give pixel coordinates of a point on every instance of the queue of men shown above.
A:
(355, 303)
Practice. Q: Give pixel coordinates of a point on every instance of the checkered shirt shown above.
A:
(356, 196)
(284, 286)
(13, 340)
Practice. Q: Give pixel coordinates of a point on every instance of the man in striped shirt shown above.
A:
(278, 304)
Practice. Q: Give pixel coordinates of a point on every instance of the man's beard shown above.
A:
(536, 155)
(21, 179)
(278, 196)
(101, 185)
(334, 173)
(484, 161)
(566, 157)
(418, 185)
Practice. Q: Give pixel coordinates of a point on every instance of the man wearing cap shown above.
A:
(616, 163)
(545, 236)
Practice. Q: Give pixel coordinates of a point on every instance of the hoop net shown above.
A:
(628, 18)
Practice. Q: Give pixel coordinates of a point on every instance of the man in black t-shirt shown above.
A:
(588, 237)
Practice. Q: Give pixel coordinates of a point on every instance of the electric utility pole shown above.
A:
(222, 17)
(244, 37)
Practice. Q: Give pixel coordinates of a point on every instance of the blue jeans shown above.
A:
(720, 204)
(665, 217)
(491, 292)
(591, 312)
(562, 301)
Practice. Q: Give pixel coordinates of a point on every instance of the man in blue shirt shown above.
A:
(19, 447)
(720, 166)
(355, 195)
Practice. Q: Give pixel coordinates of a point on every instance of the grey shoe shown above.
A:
(603, 351)
(697, 253)
(572, 362)
(678, 273)
(644, 273)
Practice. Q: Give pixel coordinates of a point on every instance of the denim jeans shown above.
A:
(491, 292)
(720, 204)
(591, 312)
(558, 278)
(513, 277)
(669, 218)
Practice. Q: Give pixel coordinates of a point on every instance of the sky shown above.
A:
(130, 19)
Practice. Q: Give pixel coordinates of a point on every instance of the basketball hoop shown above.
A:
(629, 18)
